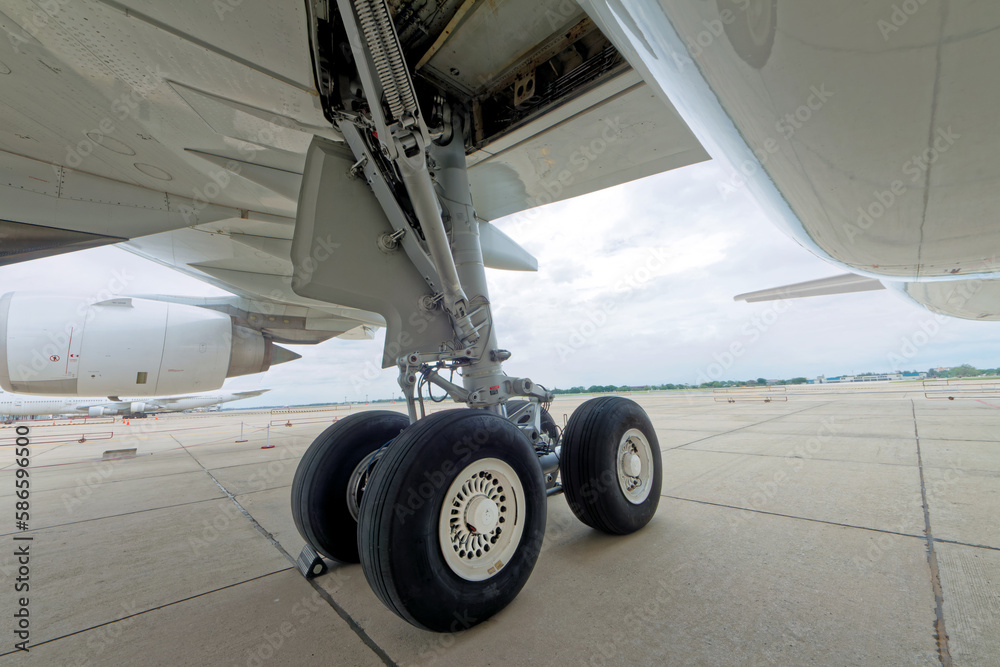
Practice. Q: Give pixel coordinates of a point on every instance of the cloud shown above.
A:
(635, 286)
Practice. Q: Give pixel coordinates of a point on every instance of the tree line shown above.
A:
(965, 370)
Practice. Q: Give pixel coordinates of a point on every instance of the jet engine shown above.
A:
(58, 345)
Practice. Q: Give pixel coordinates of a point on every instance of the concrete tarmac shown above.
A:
(848, 525)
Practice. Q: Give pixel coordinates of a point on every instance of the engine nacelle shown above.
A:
(136, 408)
(96, 411)
(65, 346)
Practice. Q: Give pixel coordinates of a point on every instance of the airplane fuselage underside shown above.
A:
(864, 130)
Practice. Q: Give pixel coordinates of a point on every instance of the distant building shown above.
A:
(872, 377)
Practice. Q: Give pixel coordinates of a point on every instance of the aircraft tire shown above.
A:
(453, 519)
(321, 507)
(611, 465)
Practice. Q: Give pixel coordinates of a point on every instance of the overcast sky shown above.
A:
(635, 286)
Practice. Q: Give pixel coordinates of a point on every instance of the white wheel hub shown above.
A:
(482, 519)
(481, 515)
(635, 466)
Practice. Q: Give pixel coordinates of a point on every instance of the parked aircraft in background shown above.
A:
(19, 405)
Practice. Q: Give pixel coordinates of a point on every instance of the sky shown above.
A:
(635, 286)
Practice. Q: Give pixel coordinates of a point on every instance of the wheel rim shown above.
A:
(359, 480)
(635, 466)
(481, 520)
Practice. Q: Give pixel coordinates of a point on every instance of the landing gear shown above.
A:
(547, 423)
(452, 521)
(331, 479)
(451, 516)
(611, 466)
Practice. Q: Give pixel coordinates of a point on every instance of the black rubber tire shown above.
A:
(398, 524)
(548, 423)
(319, 488)
(588, 465)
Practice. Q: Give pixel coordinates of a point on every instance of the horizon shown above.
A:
(635, 286)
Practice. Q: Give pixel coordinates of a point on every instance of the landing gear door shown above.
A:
(337, 257)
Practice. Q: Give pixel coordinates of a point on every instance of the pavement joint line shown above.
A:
(47, 451)
(966, 544)
(792, 516)
(831, 523)
(941, 631)
(270, 488)
(968, 471)
(151, 609)
(114, 516)
(260, 529)
(178, 450)
(255, 463)
(809, 458)
(733, 431)
(216, 442)
(353, 624)
(906, 438)
(115, 481)
(960, 440)
(974, 471)
(787, 414)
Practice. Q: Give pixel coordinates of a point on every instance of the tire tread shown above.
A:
(584, 451)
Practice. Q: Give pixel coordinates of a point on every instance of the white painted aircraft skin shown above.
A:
(185, 130)
(18, 405)
(868, 135)
(861, 128)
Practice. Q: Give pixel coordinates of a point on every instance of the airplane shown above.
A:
(335, 164)
(18, 405)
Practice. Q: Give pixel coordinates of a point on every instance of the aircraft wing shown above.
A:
(225, 397)
(178, 403)
(975, 299)
(842, 284)
(179, 130)
(102, 145)
(240, 395)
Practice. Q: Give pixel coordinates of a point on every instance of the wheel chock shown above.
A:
(310, 563)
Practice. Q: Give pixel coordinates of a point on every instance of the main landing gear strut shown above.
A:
(446, 512)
